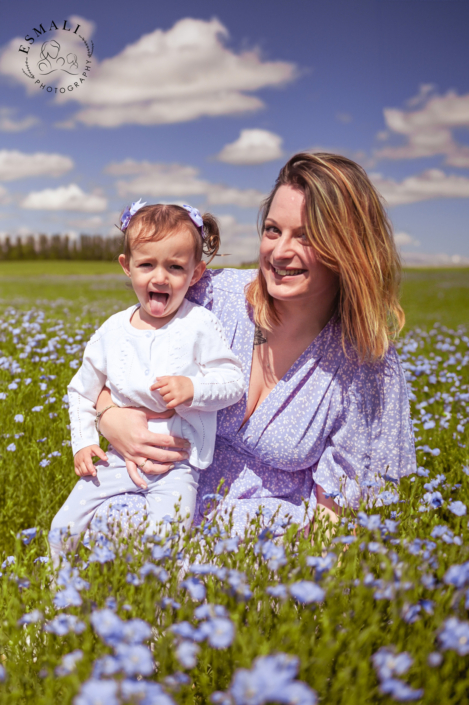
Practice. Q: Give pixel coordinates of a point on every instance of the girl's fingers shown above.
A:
(99, 452)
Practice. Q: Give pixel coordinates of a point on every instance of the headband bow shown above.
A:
(129, 212)
(194, 215)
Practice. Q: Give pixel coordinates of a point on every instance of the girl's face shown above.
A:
(287, 260)
(161, 272)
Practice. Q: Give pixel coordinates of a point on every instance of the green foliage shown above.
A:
(385, 585)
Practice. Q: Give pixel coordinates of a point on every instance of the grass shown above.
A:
(394, 580)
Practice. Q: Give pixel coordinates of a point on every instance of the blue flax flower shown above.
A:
(278, 591)
(321, 564)
(186, 654)
(210, 611)
(108, 626)
(221, 633)
(97, 692)
(372, 522)
(63, 624)
(274, 555)
(11, 448)
(69, 663)
(269, 680)
(135, 659)
(203, 569)
(388, 497)
(457, 508)
(195, 588)
(135, 631)
(19, 418)
(455, 636)
(169, 602)
(3, 674)
(8, 561)
(399, 690)
(388, 664)
(238, 583)
(144, 693)
(31, 617)
(102, 554)
(67, 598)
(185, 630)
(226, 546)
(457, 575)
(305, 591)
(106, 666)
(27, 535)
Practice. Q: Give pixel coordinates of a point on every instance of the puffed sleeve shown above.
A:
(220, 380)
(83, 392)
(372, 436)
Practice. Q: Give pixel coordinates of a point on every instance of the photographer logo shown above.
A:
(58, 59)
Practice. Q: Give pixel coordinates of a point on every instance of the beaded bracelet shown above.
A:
(100, 413)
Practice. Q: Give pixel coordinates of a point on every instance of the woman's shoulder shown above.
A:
(216, 281)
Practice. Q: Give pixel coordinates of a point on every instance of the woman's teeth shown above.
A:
(287, 272)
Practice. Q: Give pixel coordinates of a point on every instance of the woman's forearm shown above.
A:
(104, 399)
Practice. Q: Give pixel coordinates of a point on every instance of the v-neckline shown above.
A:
(245, 423)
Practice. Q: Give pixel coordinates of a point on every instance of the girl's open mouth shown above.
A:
(158, 303)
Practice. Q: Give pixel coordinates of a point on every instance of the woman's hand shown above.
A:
(127, 430)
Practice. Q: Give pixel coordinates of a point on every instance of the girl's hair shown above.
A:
(158, 221)
(348, 228)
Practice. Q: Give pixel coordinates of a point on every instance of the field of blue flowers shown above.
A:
(375, 611)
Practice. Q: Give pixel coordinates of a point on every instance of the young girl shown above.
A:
(163, 336)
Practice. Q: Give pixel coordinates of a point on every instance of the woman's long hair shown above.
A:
(348, 228)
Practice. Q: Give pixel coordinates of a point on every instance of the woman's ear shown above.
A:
(124, 264)
(198, 273)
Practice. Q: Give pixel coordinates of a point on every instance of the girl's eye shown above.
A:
(176, 266)
(145, 264)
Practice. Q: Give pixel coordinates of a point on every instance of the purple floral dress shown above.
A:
(329, 421)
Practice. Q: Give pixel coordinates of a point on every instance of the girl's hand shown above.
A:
(83, 460)
(127, 430)
(174, 389)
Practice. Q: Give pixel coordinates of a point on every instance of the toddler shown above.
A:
(163, 336)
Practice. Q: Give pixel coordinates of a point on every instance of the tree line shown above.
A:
(42, 247)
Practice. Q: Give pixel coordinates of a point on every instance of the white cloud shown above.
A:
(95, 221)
(239, 241)
(423, 259)
(18, 165)
(177, 180)
(10, 123)
(87, 27)
(252, 147)
(175, 76)
(428, 129)
(4, 196)
(344, 117)
(67, 198)
(430, 184)
(405, 240)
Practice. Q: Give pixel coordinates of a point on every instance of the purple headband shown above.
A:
(194, 215)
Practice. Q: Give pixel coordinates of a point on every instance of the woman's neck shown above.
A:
(304, 319)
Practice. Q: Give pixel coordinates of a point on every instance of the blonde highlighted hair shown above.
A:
(348, 228)
(152, 223)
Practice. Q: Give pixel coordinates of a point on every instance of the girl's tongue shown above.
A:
(158, 303)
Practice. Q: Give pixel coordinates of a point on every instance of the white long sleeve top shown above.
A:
(127, 361)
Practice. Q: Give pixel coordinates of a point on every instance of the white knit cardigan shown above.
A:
(127, 361)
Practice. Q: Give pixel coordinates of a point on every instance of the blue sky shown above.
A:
(204, 101)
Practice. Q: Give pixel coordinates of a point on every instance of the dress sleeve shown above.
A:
(83, 392)
(220, 380)
(372, 440)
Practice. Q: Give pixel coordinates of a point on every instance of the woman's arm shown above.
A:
(127, 430)
(327, 506)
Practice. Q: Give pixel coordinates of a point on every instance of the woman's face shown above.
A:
(287, 260)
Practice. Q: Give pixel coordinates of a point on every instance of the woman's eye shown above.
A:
(271, 229)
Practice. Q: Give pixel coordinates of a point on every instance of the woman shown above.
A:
(326, 412)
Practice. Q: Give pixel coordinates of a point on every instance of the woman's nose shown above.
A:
(283, 247)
